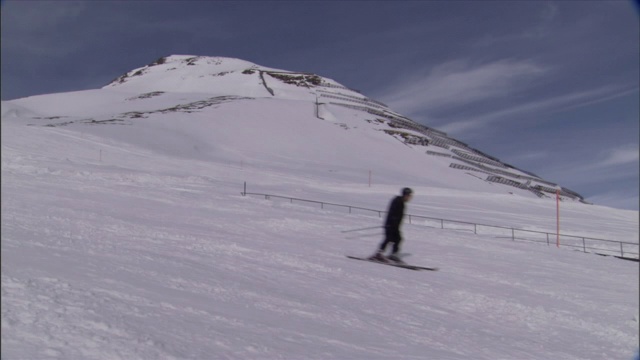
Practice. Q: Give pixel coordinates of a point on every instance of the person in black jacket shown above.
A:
(392, 227)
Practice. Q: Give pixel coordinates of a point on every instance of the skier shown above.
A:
(392, 227)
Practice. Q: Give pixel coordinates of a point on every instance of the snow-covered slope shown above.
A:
(124, 234)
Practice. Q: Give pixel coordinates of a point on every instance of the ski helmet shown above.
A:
(407, 191)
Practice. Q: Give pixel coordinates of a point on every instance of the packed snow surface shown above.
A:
(131, 240)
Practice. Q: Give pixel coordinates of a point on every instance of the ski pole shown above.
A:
(361, 236)
(367, 228)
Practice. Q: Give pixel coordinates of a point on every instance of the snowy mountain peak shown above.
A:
(185, 66)
(217, 75)
(226, 108)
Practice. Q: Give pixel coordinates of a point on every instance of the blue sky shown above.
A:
(549, 87)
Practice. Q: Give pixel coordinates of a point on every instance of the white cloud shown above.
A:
(458, 83)
(623, 155)
(612, 165)
(557, 103)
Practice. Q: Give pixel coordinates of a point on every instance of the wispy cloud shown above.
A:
(615, 164)
(557, 103)
(623, 155)
(458, 83)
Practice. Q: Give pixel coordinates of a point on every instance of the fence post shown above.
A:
(584, 245)
(513, 234)
(548, 244)
(245, 189)
(621, 251)
(475, 229)
(441, 223)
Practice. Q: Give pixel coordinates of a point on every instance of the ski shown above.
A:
(391, 263)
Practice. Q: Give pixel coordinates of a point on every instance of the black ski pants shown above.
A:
(392, 235)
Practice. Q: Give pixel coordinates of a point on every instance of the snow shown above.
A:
(131, 240)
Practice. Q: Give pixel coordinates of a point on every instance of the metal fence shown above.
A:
(620, 249)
